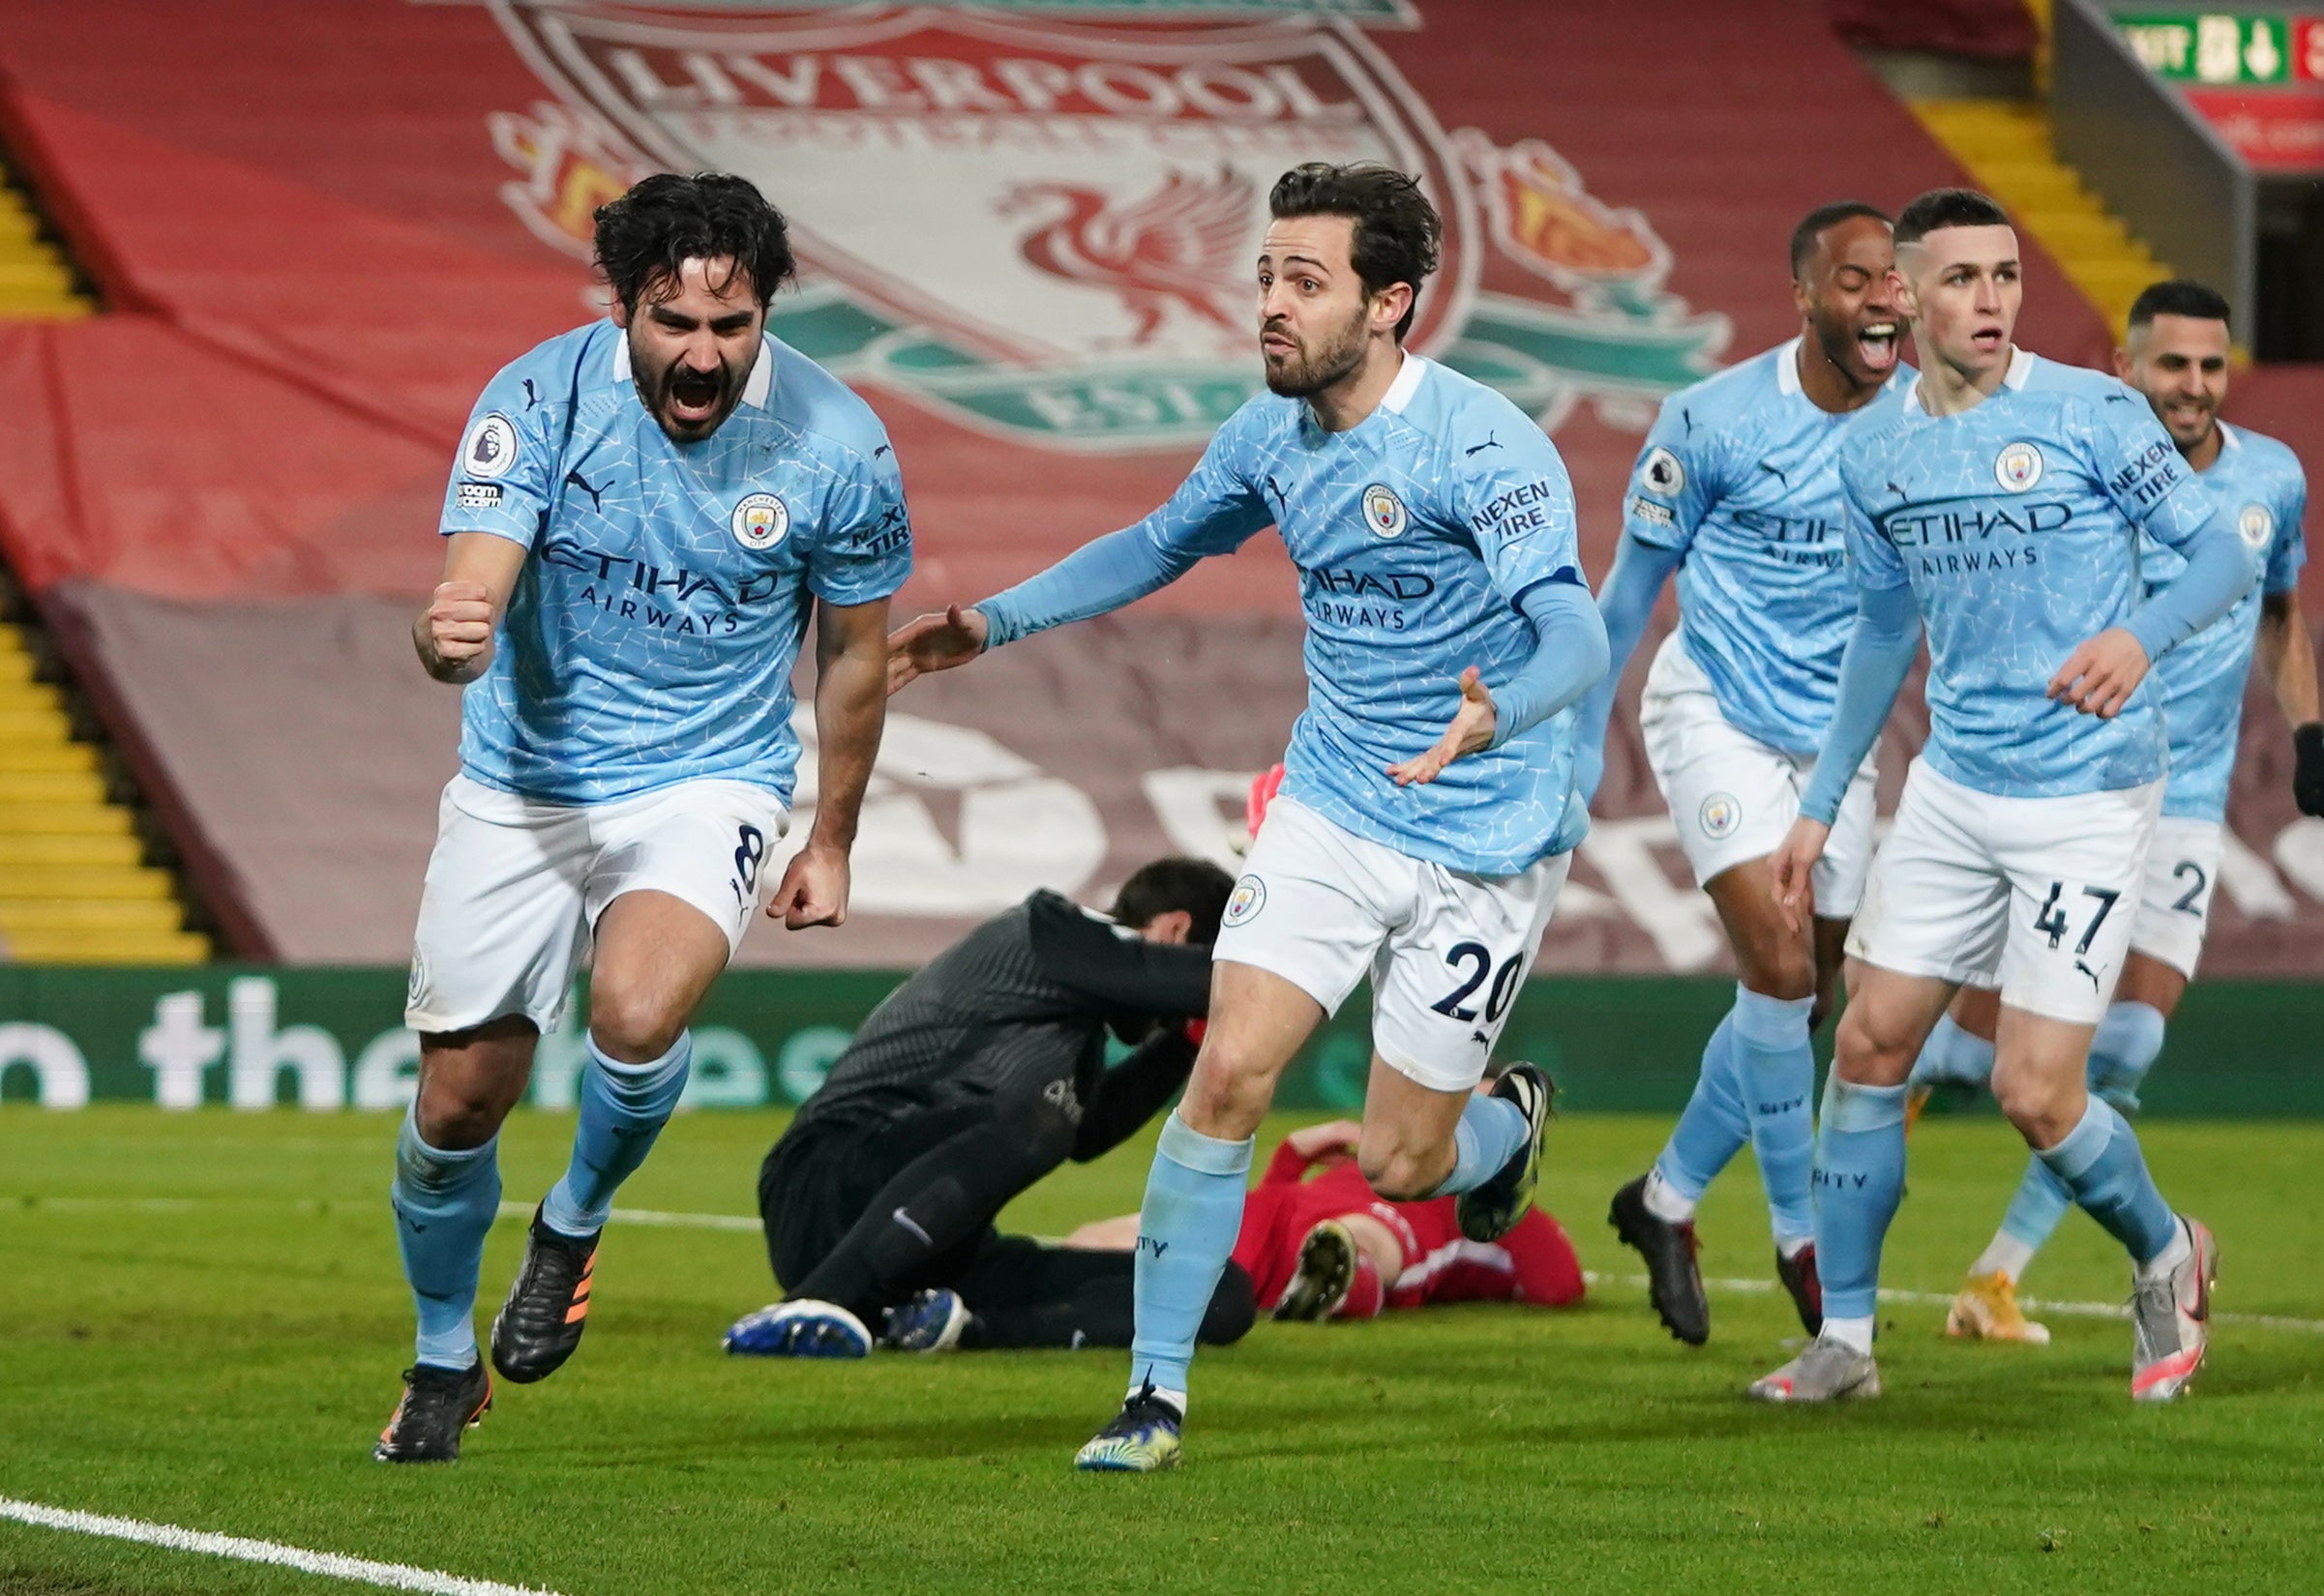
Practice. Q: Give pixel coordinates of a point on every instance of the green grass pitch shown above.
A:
(201, 1323)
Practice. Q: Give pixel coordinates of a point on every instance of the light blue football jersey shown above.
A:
(1741, 479)
(2259, 483)
(1417, 533)
(2016, 524)
(653, 629)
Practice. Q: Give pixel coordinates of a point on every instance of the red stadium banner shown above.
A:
(1025, 227)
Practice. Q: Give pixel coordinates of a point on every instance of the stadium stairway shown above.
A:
(36, 282)
(2007, 147)
(73, 884)
(74, 887)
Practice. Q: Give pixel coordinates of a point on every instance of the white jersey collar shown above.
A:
(2019, 374)
(1407, 383)
(754, 391)
(1787, 367)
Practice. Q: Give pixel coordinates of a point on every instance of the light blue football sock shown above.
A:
(623, 1108)
(2123, 1049)
(2128, 1041)
(1490, 1132)
(444, 1204)
(1859, 1182)
(1775, 1070)
(1186, 1230)
(2101, 1164)
(1714, 1124)
(1953, 1057)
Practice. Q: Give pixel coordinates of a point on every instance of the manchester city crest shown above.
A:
(2018, 468)
(1720, 815)
(1244, 904)
(759, 521)
(2257, 524)
(1383, 511)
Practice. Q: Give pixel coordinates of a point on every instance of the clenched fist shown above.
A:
(455, 635)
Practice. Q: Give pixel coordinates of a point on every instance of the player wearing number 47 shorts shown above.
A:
(643, 514)
(1738, 490)
(2176, 355)
(1998, 503)
(1433, 527)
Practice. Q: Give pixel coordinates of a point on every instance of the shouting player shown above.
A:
(1738, 490)
(2176, 354)
(644, 514)
(1999, 501)
(1433, 527)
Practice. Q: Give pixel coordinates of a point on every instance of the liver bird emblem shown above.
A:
(1180, 245)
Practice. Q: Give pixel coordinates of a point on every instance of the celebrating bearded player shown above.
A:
(1433, 527)
(1738, 490)
(1999, 501)
(2175, 354)
(643, 513)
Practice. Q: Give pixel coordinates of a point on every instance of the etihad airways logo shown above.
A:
(1943, 522)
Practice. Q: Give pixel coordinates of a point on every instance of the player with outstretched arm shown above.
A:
(1998, 502)
(644, 515)
(1427, 817)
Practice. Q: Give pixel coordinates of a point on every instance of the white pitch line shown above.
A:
(329, 1564)
(2040, 1305)
(654, 1217)
(663, 1219)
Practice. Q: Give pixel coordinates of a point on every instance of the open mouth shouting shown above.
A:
(692, 398)
(1876, 345)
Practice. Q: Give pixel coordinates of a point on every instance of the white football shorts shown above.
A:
(1732, 797)
(515, 887)
(1446, 951)
(2040, 892)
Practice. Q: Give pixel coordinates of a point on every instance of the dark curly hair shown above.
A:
(646, 235)
(1196, 885)
(1398, 234)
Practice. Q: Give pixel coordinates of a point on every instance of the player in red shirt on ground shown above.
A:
(1326, 1247)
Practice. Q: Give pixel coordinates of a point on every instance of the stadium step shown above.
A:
(2008, 147)
(75, 886)
(108, 946)
(25, 851)
(36, 282)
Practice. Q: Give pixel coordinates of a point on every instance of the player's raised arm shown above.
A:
(454, 634)
(1214, 511)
